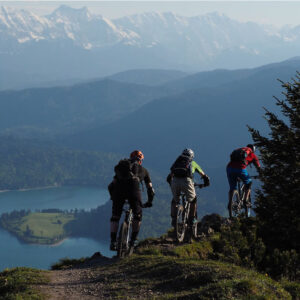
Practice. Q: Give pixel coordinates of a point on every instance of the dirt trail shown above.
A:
(77, 282)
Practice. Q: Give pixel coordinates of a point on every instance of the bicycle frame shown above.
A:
(183, 215)
(237, 206)
(124, 232)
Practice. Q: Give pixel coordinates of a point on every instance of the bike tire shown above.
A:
(181, 223)
(123, 240)
(248, 208)
(234, 205)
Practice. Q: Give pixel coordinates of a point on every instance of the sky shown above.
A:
(276, 13)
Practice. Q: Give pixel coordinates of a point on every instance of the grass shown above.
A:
(41, 228)
(66, 263)
(170, 277)
(21, 284)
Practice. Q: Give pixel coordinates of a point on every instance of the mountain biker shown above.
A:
(237, 168)
(128, 187)
(181, 181)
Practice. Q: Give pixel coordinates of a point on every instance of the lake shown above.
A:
(14, 253)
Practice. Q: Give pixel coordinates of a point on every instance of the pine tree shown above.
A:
(277, 202)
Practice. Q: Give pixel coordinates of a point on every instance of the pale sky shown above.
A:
(265, 12)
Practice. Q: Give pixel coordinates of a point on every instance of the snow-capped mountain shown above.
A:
(76, 43)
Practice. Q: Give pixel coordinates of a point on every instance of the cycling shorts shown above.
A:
(233, 175)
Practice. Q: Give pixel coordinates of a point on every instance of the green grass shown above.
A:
(170, 277)
(66, 263)
(41, 228)
(21, 284)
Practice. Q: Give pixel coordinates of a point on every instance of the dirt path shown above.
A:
(77, 283)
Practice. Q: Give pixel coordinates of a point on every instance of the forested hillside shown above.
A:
(44, 112)
(211, 119)
(30, 164)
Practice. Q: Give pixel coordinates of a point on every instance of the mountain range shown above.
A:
(207, 111)
(76, 44)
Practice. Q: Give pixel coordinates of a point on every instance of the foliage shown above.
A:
(169, 277)
(65, 263)
(30, 164)
(277, 204)
(240, 244)
(19, 283)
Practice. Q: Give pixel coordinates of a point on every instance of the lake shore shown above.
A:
(38, 228)
(31, 189)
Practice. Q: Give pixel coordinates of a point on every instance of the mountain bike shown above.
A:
(125, 232)
(123, 248)
(183, 218)
(238, 204)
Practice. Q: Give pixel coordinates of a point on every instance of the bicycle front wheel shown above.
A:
(181, 223)
(123, 240)
(235, 204)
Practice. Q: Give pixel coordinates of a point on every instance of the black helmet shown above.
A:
(188, 153)
(252, 147)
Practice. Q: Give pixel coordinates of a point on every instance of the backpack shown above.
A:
(125, 169)
(182, 167)
(239, 155)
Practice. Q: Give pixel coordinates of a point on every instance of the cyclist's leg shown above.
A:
(117, 207)
(176, 191)
(232, 176)
(247, 182)
(135, 202)
(173, 212)
(189, 190)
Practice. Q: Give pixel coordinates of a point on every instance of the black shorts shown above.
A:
(130, 191)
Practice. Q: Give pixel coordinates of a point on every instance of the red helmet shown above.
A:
(138, 155)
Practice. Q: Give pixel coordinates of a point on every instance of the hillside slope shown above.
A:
(179, 273)
(211, 120)
(58, 110)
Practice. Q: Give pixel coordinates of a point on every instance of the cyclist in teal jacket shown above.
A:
(181, 181)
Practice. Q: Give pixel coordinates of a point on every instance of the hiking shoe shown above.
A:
(194, 221)
(113, 246)
(133, 244)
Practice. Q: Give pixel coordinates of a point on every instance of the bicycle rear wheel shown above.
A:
(123, 240)
(235, 204)
(247, 207)
(181, 223)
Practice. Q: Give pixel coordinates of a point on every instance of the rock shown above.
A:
(210, 224)
(96, 255)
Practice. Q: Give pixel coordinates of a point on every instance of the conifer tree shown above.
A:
(278, 200)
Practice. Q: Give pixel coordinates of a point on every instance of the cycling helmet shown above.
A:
(137, 155)
(188, 153)
(251, 146)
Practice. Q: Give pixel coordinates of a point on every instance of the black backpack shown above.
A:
(238, 155)
(182, 167)
(126, 169)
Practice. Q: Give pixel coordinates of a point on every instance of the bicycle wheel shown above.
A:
(247, 206)
(181, 223)
(234, 205)
(123, 240)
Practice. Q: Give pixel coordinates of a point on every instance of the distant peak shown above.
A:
(70, 11)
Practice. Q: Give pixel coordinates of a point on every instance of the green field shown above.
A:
(41, 228)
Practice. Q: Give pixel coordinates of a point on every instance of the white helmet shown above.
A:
(188, 153)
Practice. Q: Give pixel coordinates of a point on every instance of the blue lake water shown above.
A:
(14, 253)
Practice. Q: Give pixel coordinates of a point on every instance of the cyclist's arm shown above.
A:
(254, 160)
(197, 168)
(148, 183)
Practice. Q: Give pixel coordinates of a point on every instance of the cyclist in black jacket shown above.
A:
(129, 188)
